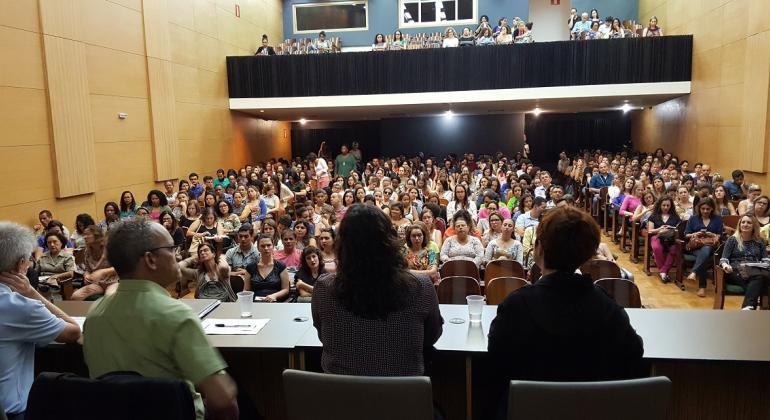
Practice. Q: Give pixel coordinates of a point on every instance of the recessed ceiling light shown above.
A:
(302, 121)
(537, 111)
(261, 110)
(626, 107)
(449, 114)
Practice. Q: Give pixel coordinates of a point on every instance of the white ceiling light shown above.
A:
(302, 121)
(626, 107)
(449, 114)
(537, 111)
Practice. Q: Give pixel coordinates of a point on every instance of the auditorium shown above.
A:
(385, 209)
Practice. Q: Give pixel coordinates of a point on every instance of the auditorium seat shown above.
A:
(503, 268)
(623, 291)
(318, 396)
(600, 269)
(459, 268)
(498, 288)
(454, 289)
(635, 399)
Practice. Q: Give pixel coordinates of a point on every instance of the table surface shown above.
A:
(667, 333)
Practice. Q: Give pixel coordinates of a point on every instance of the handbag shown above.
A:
(697, 241)
(667, 238)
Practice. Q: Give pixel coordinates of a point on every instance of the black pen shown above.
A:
(223, 325)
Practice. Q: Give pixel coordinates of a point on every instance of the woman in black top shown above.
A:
(661, 227)
(746, 246)
(265, 49)
(169, 222)
(269, 277)
(310, 270)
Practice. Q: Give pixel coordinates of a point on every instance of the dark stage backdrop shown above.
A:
(549, 134)
(433, 136)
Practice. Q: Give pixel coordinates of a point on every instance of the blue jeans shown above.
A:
(702, 264)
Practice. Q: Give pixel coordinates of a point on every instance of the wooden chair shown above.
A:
(80, 256)
(606, 210)
(623, 291)
(459, 268)
(616, 224)
(625, 232)
(637, 238)
(443, 201)
(503, 268)
(600, 269)
(730, 223)
(236, 282)
(454, 289)
(498, 288)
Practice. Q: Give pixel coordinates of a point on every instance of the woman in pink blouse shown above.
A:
(632, 201)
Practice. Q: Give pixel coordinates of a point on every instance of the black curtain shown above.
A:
(549, 134)
(307, 138)
(563, 63)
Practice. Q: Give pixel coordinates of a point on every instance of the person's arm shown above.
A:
(638, 213)
(489, 252)
(191, 231)
(651, 228)
(624, 207)
(281, 294)
(724, 262)
(69, 334)
(188, 274)
(731, 208)
(262, 209)
(244, 215)
(444, 255)
(478, 249)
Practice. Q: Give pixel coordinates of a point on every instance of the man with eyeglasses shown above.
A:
(162, 340)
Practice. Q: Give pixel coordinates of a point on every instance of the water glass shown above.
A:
(246, 301)
(475, 306)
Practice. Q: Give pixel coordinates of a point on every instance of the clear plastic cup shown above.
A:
(246, 301)
(475, 307)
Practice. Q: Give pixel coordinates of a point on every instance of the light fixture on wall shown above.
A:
(625, 108)
(302, 121)
(449, 114)
(537, 111)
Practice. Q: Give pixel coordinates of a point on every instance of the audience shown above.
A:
(746, 246)
(702, 233)
(269, 277)
(462, 245)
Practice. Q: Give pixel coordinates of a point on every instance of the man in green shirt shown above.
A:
(344, 163)
(140, 328)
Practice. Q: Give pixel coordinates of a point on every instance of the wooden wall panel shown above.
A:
(156, 37)
(111, 25)
(109, 128)
(20, 14)
(124, 163)
(186, 83)
(117, 73)
(23, 116)
(73, 140)
(61, 19)
(22, 64)
(755, 101)
(30, 163)
(164, 133)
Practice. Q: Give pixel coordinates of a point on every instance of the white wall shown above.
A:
(550, 21)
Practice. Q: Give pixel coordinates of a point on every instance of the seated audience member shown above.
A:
(645, 208)
(164, 339)
(212, 275)
(532, 217)
(142, 212)
(27, 320)
(565, 328)
(55, 263)
(724, 207)
(761, 211)
(265, 48)
(450, 39)
(653, 29)
(603, 253)
(420, 252)
(302, 235)
(241, 256)
(82, 221)
(505, 247)
(360, 311)
(632, 201)
(310, 269)
(747, 205)
(379, 43)
(504, 37)
(428, 216)
(170, 194)
(191, 215)
(169, 222)
(462, 245)
(661, 227)
(99, 278)
(255, 208)
(616, 30)
(525, 33)
(111, 216)
(269, 276)
(326, 239)
(461, 201)
(398, 44)
(683, 203)
(45, 217)
(396, 213)
(485, 38)
(54, 226)
(702, 235)
(205, 228)
(230, 222)
(746, 246)
(156, 204)
(492, 226)
(467, 39)
(127, 205)
(736, 188)
(581, 26)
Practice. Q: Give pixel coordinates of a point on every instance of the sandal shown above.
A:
(680, 285)
(701, 293)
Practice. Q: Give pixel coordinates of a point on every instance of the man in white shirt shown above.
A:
(530, 218)
(545, 184)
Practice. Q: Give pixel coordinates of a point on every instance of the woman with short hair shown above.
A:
(373, 322)
(82, 221)
(156, 204)
(310, 269)
(269, 276)
(56, 264)
(111, 215)
(462, 245)
(505, 246)
(99, 277)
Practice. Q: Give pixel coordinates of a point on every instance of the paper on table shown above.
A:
(756, 264)
(80, 320)
(214, 326)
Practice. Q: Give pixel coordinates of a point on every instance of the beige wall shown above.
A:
(725, 120)
(176, 99)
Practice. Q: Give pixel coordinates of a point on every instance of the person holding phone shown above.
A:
(702, 235)
(661, 227)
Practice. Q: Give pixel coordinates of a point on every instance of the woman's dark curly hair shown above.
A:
(372, 277)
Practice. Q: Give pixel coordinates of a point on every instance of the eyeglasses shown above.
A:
(161, 247)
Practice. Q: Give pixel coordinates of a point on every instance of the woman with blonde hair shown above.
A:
(744, 247)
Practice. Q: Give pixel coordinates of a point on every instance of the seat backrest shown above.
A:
(347, 397)
(731, 220)
(454, 289)
(503, 268)
(623, 291)
(236, 282)
(498, 288)
(600, 269)
(636, 399)
(136, 397)
(459, 268)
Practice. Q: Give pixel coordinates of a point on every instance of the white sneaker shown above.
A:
(747, 308)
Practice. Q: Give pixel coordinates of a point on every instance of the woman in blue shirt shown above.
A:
(705, 225)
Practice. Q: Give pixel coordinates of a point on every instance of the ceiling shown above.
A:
(369, 107)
